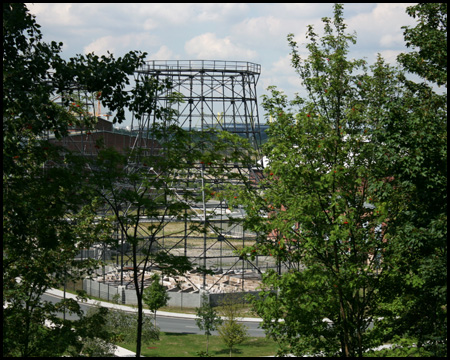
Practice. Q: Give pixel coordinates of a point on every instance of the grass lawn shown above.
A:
(188, 345)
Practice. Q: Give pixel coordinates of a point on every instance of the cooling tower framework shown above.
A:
(217, 95)
(220, 95)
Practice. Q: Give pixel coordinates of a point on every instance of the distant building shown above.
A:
(90, 141)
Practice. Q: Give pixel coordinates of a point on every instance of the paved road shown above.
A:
(167, 322)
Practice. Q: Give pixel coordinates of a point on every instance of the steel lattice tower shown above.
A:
(216, 94)
(220, 95)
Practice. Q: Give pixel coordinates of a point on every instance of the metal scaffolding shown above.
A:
(216, 95)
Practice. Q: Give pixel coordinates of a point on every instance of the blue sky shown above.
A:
(254, 32)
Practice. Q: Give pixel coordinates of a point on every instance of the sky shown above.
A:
(253, 32)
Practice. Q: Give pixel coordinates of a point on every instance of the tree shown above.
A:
(331, 198)
(145, 183)
(97, 338)
(231, 331)
(52, 198)
(415, 156)
(121, 326)
(429, 38)
(207, 319)
(47, 212)
(129, 195)
(98, 348)
(137, 184)
(155, 296)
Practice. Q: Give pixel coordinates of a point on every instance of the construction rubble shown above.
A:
(221, 282)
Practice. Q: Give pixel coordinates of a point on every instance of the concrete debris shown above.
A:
(221, 282)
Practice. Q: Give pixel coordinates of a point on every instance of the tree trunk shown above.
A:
(344, 335)
(27, 330)
(139, 302)
(139, 327)
(345, 344)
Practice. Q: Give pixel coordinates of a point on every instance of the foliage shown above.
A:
(145, 183)
(429, 39)
(207, 319)
(49, 211)
(415, 155)
(320, 203)
(121, 326)
(404, 347)
(47, 192)
(346, 185)
(415, 297)
(231, 331)
(129, 190)
(124, 327)
(155, 296)
(93, 347)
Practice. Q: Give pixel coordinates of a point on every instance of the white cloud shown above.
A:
(101, 46)
(188, 13)
(208, 46)
(283, 75)
(282, 66)
(260, 27)
(392, 40)
(163, 53)
(59, 14)
(298, 11)
(390, 56)
(219, 11)
(150, 24)
(381, 26)
(120, 44)
(165, 13)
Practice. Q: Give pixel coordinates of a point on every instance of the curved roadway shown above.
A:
(167, 322)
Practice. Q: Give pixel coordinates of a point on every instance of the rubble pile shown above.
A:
(221, 282)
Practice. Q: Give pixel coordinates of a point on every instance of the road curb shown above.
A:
(60, 293)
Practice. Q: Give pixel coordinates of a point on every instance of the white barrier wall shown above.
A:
(128, 296)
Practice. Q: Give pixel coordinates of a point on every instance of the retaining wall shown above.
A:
(128, 296)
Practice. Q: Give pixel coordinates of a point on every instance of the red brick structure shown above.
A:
(89, 142)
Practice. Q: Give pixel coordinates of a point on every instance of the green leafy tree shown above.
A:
(143, 189)
(415, 157)
(51, 198)
(146, 184)
(127, 197)
(120, 326)
(231, 331)
(155, 296)
(429, 40)
(334, 193)
(49, 213)
(95, 338)
(93, 347)
(207, 319)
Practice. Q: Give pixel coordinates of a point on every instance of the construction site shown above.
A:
(216, 95)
